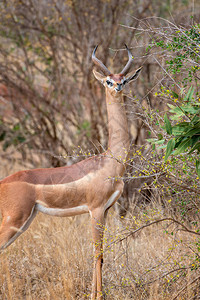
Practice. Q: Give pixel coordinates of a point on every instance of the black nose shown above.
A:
(119, 87)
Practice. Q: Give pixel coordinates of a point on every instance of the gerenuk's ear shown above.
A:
(133, 76)
(98, 76)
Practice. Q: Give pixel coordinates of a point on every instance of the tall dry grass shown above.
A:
(53, 260)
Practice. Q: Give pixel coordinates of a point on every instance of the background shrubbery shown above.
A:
(52, 113)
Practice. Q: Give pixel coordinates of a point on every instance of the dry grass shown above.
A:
(49, 261)
(53, 260)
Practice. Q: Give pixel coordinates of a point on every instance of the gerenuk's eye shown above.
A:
(109, 83)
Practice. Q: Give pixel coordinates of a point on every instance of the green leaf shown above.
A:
(170, 148)
(193, 131)
(16, 127)
(194, 140)
(195, 119)
(152, 140)
(160, 142)
(174, 94)
(183, 146)
(156, 141)
(198, 167)
(168, 125)
(196, 146)
(162, 147)
(171, 106)
(189, 108)
(180, 128)
(177, 111)
(189, 95)
(20, 139)
(179, 140)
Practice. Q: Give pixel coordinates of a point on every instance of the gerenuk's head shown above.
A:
(115, 82)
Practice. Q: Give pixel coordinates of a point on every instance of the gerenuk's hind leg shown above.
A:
(13, 226)
(98, 221)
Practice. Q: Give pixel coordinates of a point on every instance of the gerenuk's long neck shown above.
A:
(118, 142)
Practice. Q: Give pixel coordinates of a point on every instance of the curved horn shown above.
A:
(129, 63)
(99, 63)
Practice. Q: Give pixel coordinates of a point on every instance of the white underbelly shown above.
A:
(62, 212)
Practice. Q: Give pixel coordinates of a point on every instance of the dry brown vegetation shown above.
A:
(53, 260)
